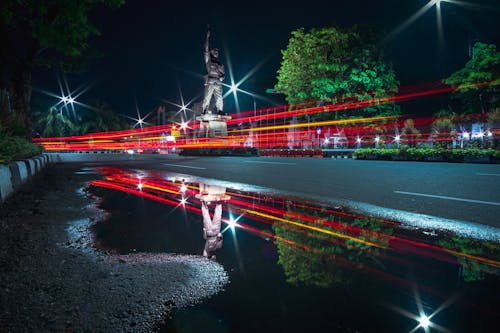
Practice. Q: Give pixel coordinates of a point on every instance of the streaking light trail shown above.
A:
(268, 129)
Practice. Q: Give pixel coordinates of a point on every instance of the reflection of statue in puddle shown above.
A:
(211, 229)
(212, 225)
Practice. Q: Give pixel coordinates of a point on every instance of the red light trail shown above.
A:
(270, 129)
(267, 210)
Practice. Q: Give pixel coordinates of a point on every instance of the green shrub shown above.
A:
(421, 154)
(15, 148)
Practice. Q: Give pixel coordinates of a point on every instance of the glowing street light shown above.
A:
(139, 120)
(424, 321)
(358, 142)
(418, 14)
(397, 139)
(232, 223)
(233, 88)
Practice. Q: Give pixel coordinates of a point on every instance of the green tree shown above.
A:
(42, 33)
(335, 65)
(59, 122)
(103, 119)
(56, 123)
(477, 83)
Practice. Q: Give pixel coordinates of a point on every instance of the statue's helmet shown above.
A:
(214, 52)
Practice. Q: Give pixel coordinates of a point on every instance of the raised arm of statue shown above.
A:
(207, 47)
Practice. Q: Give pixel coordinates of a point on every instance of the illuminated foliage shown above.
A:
(336, 65)
(473, 270)
(58, 122)
(327, 261)
(103, 119)
(483, 67)
(443, 129)
(410, 132)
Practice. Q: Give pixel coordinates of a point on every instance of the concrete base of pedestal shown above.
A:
(212, 125)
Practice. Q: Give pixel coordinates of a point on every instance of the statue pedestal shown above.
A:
(212, 124)
(212, 193)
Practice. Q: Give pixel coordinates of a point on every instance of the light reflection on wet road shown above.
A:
(300, 266)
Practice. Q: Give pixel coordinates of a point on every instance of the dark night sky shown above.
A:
(151, 48)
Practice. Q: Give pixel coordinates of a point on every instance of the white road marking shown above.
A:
(449, 198)
(185, 166)
(270, 162)
(488, 174)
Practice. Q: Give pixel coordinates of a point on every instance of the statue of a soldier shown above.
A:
(213, 80)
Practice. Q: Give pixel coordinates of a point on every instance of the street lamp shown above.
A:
(358, 142)
(424, 321)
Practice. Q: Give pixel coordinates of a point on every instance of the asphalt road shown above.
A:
(463, 192)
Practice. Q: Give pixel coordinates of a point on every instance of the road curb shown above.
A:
(15, 174)
(5, 182)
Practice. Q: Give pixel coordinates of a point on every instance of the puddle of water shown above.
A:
(300, 266)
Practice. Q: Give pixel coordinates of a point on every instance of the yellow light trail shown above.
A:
(317, 123)
(161, 189)
(469, 256)
(51, 142)
(325, 231)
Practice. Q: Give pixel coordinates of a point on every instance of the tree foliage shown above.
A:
(336, 65)
(477, 83)
(59, 122)
(48, 33)
(326, 262)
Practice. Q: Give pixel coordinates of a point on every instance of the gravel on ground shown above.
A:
(53, 280)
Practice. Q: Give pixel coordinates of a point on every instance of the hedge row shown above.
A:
(219, 152)
(429, 154)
